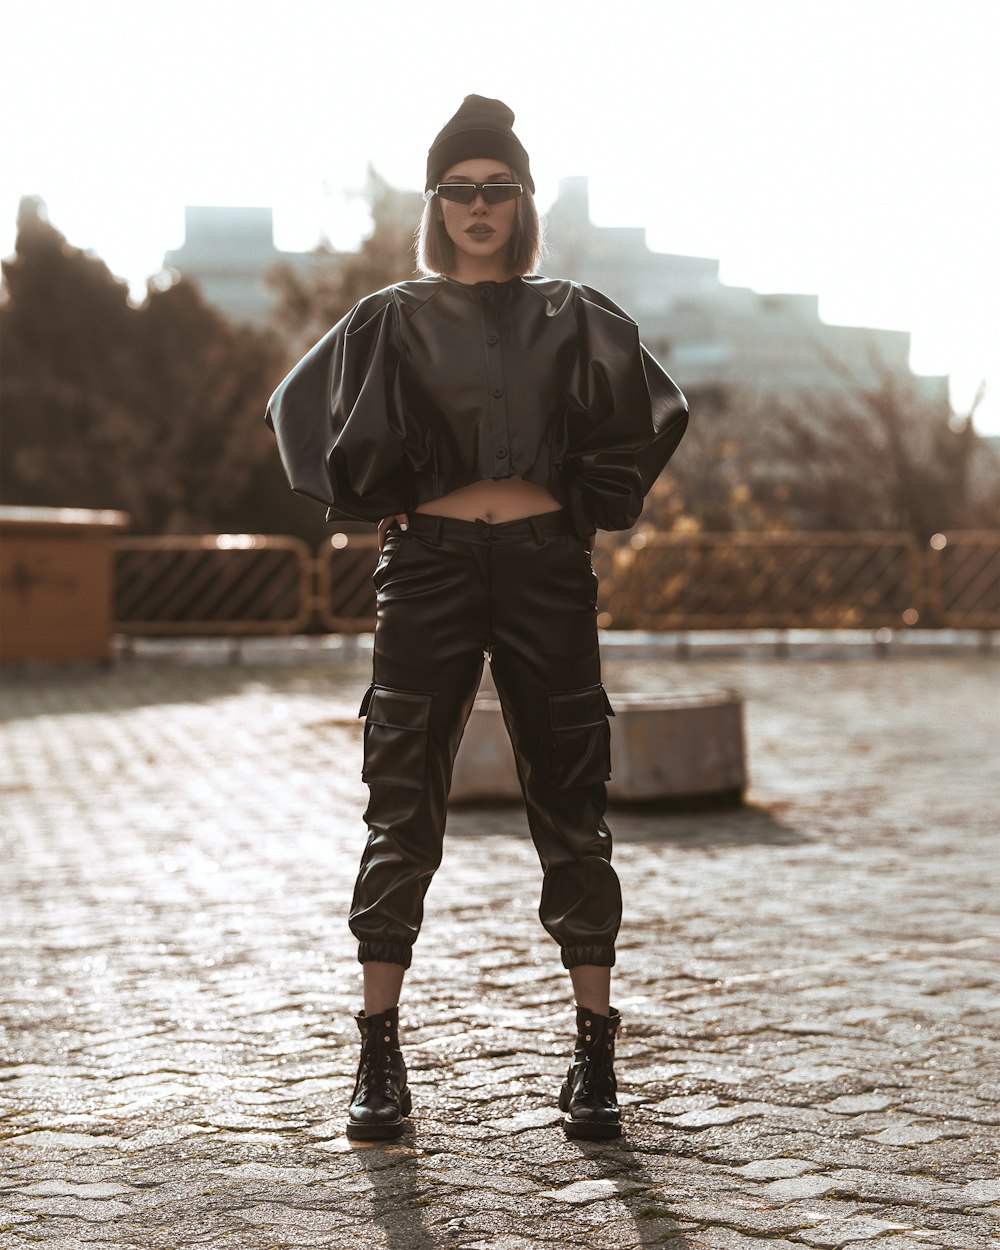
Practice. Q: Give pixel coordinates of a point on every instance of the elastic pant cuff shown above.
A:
(385, 952)
(600, 953)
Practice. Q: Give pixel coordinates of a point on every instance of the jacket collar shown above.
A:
(415, 293)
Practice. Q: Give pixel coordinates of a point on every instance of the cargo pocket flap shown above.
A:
(399, 709)
(581, 737)
(573, 709)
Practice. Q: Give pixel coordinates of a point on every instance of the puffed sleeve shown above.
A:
(337, 416)
(625, 418)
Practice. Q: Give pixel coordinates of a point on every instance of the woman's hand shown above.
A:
(383, 525)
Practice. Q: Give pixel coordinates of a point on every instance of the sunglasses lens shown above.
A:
(458, 192)
(500, 192)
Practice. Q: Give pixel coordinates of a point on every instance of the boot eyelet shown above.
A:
(587, 1037)
(586, 1024)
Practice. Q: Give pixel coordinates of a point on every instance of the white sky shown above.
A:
(842, 147)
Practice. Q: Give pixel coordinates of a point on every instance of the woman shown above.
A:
(490, 420)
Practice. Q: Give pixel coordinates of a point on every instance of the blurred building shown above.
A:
(716, 336)
(229, 252)
(710, 336)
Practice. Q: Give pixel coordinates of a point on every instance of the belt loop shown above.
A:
(539, 536)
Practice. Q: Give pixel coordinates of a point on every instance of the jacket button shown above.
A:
(501, 452)
(498, 391)
(493, 339)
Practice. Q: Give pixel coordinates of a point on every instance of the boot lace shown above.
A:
(374, 1066)
(597, 1076)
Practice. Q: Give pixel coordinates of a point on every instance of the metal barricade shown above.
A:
(765, 580)
(212, 584)
(345, 592)
(963, 579)
(242, 584)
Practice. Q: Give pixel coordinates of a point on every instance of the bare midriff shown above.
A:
(493, 500)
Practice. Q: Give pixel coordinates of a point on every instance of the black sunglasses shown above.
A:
(465, 192)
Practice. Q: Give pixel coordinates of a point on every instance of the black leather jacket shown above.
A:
(431, 384)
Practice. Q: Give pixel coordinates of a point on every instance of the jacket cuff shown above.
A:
(580, 516)
(604, 497)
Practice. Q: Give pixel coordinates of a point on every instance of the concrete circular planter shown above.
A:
(666, 750)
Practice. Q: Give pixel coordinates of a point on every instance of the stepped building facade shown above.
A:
(229, 253)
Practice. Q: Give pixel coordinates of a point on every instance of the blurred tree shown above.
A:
(156, 409)
(886, 457)
(882, 458)
(68, 339)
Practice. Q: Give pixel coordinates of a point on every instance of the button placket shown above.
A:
(495, 380)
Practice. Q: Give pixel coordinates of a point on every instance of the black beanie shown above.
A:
(481, 127)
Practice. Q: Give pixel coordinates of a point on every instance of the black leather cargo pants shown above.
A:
(448, 592)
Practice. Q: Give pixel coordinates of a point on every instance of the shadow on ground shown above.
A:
(700, 829)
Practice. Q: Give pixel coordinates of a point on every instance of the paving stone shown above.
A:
(51, 1241)
(717, 1115)
(979, 1193)
(45, 1140)
(799, 1187)
(808, 984)
(870, 1185)
(504, 1243)
(541, 1118)
(774, 1169)
(69, 1189)
(682, 1103)
(854, 1104)
(9, 1218)
(905, 1241)
(907, 1134)
(744, 1213)
(582, 1191)
(730, 1239)
(90, 1210)
(813, 1073)
(862, 1228)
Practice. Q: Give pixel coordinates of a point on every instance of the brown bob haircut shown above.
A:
(436, 252)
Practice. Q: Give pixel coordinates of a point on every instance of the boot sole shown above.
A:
(376, 1132)
(590, 1130)
(384, 1128)
(595, 1130)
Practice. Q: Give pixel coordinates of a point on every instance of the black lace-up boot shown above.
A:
(381, 1095)
(589, 1093)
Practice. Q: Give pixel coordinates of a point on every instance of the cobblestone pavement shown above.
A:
(809, 986)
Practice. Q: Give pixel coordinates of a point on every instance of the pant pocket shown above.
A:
(581, 555)
(580, 736)
(395, 542)
(396, 728)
